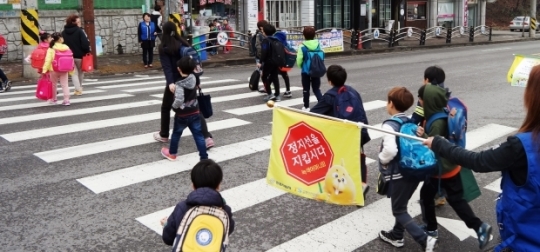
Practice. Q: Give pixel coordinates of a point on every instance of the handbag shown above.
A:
(382, 185)
(87, 64)
(44, 90)
(205, 104)
(254, 80)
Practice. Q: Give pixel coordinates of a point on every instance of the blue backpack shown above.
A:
(193, 54)
(290, 58)
(416, 160)
(314, 62)
(348, 105)
(456, 115)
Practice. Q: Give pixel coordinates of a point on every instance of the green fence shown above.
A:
(74, 4)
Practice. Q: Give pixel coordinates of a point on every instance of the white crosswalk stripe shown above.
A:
(111, 109)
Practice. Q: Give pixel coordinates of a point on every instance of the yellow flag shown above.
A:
(315, 157)
(518, 74)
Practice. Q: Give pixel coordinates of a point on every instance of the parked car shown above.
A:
(519, 23)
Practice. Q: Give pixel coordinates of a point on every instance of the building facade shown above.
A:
(348, 14)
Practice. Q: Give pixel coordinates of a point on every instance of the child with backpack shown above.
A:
(433, 75)
(434, 101)
(256, 42)
(59, 63)
(212, 39)
(344, 102)
(5, 84)
(188, 215)
(186, 107)
(400, 188)
(270, 48)
(310, 59)
(37, 58)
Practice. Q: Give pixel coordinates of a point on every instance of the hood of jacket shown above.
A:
(311, 44)
(435, 100)
(157, 13)
(281, 36)
(205, 197)
(71, 29)
(60, 47)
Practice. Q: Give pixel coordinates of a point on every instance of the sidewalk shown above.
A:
(129, 63)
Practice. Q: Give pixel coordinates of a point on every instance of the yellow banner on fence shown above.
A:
(315, 157)
(518, 74)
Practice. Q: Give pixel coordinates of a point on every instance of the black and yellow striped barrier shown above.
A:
(533, 23)
(29, 27)
(176, 18)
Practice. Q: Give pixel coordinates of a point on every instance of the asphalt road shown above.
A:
(57, 192)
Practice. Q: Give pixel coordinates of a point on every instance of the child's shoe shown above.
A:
(440, 201)
(389, 238)
(484, 235)
(165, 153)
(158, 138)
(52, 101)
(209, 143)
(66, 103)
(305, 109)
(431, 244)
(287, 94)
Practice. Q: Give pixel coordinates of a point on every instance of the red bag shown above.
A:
(38, 58)
(3, 45)
(87, 64)
(44, 89)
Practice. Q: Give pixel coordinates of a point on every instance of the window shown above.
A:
(416, 10)
(385, 11)
(333, 13)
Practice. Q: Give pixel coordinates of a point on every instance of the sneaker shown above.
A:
(52, 101)
(2, 90)
(262, 90)
(277, 98)
(484, 235)
(389, 238)
(7, 86)
(269, 97)
(434, 234)
(287, 94)
(165, 153)
(66, 103)
(77, 93)
(159, 138)
(305, 109)
(209, 143)
(431, 244)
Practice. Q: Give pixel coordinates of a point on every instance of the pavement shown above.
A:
(90, 177)
(132, 63)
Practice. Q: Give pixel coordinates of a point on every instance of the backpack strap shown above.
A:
(433, 118)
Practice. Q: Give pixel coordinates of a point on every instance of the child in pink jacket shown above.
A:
(57, 45)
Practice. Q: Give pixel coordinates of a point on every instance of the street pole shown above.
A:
(532, 32)
(29, 35)
(369, 15)
(148, 8)
(89, 28)
(167, 11)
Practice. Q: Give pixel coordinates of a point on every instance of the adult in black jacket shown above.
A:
(75, 38)
(169, 54)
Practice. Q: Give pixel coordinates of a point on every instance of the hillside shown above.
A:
(500, 13)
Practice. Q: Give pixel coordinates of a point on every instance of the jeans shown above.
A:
(400, 192)
(193, 122)
(166, 106)
(2, 74)
(315, 84)
(270, 75)
(454, 196)
(147, 55)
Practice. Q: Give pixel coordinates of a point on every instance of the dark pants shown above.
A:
(193, 122)
(363, 166)
(285, 76)
(315, 84)
(2, 74)
(166, 106)
(147, 55)
(454, 196)
(270, 75)
(400, 192)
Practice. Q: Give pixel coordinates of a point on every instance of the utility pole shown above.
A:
(167, 11)
(29, 34)
(89, 28)
(533, 23)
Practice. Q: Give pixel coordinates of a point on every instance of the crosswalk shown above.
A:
(121, 115)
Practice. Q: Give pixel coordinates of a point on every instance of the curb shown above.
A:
(251, 60)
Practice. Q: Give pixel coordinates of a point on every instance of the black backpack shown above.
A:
(155, 18)
(278, 52)
(253, 42)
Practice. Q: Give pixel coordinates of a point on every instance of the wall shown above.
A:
(114, 26)
(307, 13)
